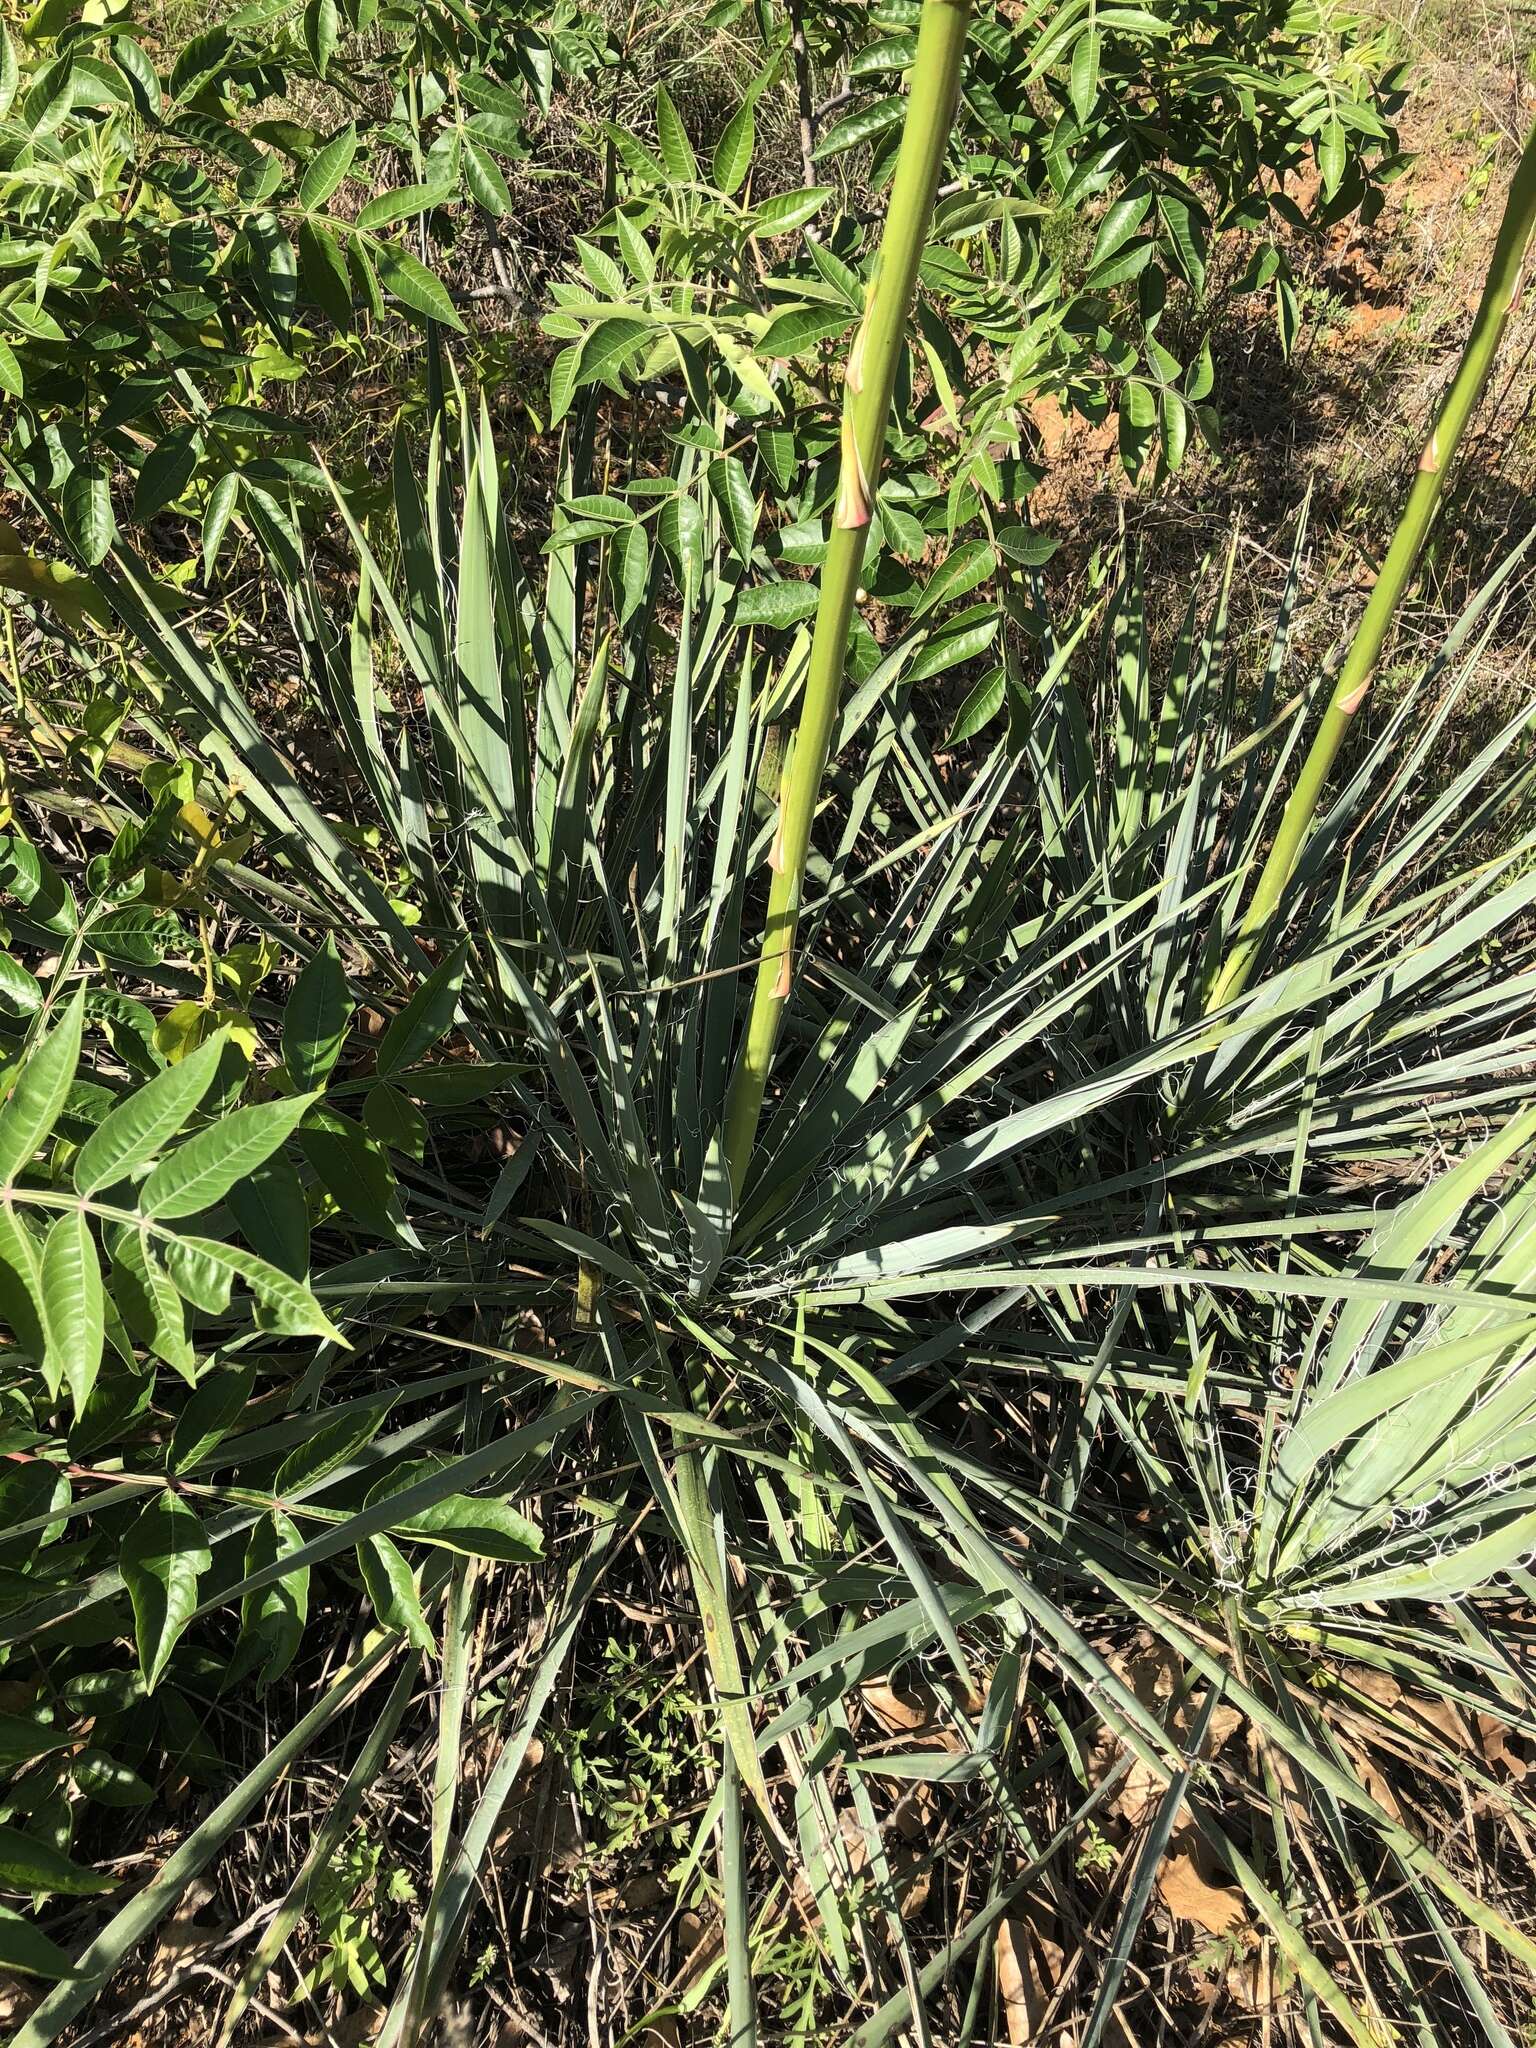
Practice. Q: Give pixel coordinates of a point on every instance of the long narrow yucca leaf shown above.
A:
(1501, 292)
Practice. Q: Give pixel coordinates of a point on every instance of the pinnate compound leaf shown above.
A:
(203, 1169)
(163, 1556)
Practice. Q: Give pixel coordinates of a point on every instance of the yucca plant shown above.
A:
(370, 1134)
(1019, 1213)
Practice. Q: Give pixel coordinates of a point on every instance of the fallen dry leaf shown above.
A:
(1187, 1890)
(1029, 1966)
(910, 1710)
(18, 1995)
(1379, 1686)
(1505, 1749)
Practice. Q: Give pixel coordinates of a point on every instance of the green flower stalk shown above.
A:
(1501, 295)
(868, 383)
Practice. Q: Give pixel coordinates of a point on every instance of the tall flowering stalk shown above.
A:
(868, 383)
(1501, 294)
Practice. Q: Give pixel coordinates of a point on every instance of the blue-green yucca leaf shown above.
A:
(163, 1555)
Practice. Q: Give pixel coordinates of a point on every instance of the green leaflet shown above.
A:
(332, 1444)
(315, 1018)
(206, 1270)
(391, 1586)
(206, 1420)
(136, 1130)
(203, 1169)
(272, 1617)
(475, 1524)
(74, 1307)
(426, 1018)
(30, 1865)
(21, 1741)
(26, 1948)
(38, 1096)
(164, 1554)
(148, 1300)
